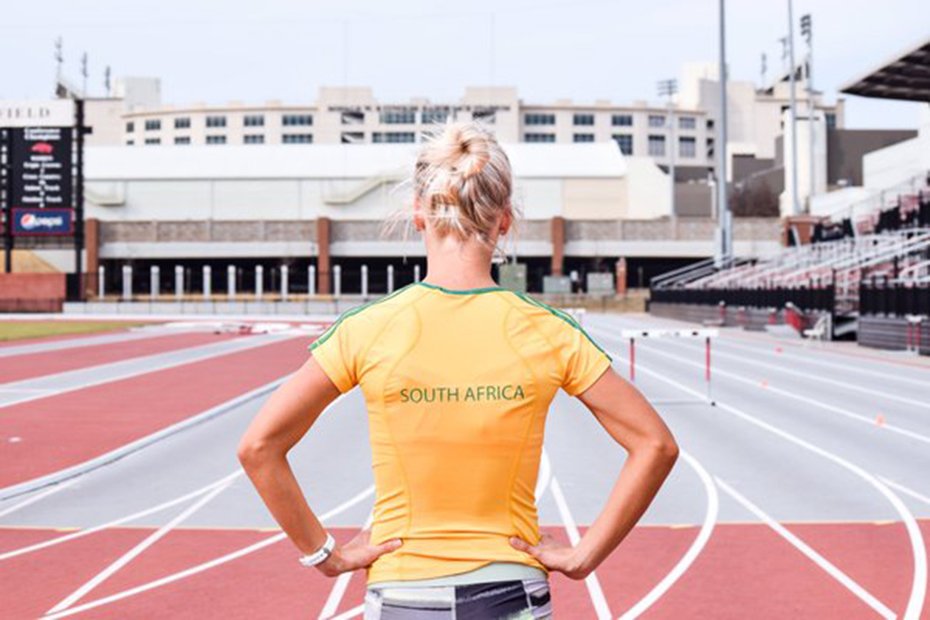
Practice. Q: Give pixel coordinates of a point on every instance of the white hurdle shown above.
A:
(706, 334)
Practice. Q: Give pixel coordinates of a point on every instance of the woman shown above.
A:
(458, 374)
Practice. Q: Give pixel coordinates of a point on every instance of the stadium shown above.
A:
(746, 255)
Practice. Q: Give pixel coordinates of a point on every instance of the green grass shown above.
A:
(17, 330)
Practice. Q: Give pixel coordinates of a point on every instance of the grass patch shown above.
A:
(18, 330)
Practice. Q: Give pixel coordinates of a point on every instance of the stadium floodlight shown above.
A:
(724, 244)
(668, 88)
(795, 202)
(807, 33)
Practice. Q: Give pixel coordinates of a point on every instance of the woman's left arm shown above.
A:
(262, 451)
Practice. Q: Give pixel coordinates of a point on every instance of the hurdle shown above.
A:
(651, 334)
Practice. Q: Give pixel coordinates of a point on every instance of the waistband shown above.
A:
(495, 571)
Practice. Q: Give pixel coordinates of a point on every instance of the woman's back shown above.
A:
(458, 384)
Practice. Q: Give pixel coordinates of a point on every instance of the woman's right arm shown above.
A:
(634, 424)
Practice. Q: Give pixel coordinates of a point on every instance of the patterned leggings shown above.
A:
(515, 599)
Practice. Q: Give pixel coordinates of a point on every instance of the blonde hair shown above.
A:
(462, 180)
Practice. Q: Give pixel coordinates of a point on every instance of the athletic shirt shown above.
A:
(457, 384)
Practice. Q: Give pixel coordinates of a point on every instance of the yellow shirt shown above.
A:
(458, 385)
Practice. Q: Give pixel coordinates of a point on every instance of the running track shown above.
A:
(803, 493)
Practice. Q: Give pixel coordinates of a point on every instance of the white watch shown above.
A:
(320, 554)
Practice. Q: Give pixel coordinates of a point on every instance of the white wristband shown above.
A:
(320, 554)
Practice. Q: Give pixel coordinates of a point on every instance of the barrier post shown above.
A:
(127, 282)
(154, 282)
(337, 280)
(101, 272)
(311, 281)
(178, 282)
(632, 360)
(231, 281)
(416, 273)
(390, 279)
(285, 276)
(207, 282)
(707, 367)
(365, 281)
(259, 281)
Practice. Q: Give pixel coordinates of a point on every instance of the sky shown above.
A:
(217, 51)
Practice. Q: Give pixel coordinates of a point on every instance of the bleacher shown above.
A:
(868, 270)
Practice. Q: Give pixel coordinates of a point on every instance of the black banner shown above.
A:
(41, 168)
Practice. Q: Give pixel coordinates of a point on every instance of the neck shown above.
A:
(458, 265)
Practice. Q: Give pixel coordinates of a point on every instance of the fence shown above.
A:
(893, 299)
(805, 298)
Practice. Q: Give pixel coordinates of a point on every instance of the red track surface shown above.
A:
(746, 571)
(31, 365)
(63, 430)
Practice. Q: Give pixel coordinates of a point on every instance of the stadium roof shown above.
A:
(332, 161)
(905, 76)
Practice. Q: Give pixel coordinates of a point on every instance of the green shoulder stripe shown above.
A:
(351, 312)
(565, 317)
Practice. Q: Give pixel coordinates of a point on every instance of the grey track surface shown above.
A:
(786, 480)
(48, 385)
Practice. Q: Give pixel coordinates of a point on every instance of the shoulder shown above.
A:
(370, 316)
(558, 325)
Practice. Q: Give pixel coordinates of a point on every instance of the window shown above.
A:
(152, 125)
(583, 137)
(253, 139)
(656, 120)
(710, 148)
(687, 147)
(399, 117)
(487, 115)
(297, 120)
(622, 120)
(393, 136)
(216, 121)
(710, 124)
(216, 139)
(130, 127)
(539, 119)
(353, 118)
(297, 138)
(539, 137)
(625, 142)
(657, 146)
(687, 122)
(353, 137)
(435, 115)
(583, 119)
(130, 142)
(254, 120)
(153, 140)
(830, 119)
(182, 122)
(182, 140)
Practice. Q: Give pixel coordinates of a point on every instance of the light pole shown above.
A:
(725, 242)
(796, 203)
(669, 88)
(807, 34)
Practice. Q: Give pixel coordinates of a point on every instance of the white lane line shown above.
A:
(35, 498)
(339, 588)
(150, 540)
(790, 356)
(352, 613)
(804, 548)
(199, 568)
(864, 419)
(115, 522)
(142, 368)
(903, 489)
(574, 536)
(544, 476)
(918, 548)
(884, 394)
(700, 541)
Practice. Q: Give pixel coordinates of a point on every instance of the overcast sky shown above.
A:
(221, 50)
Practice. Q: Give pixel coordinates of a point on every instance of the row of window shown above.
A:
(619, 120)
(687, 146)
(213, 122)
(296, 138)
